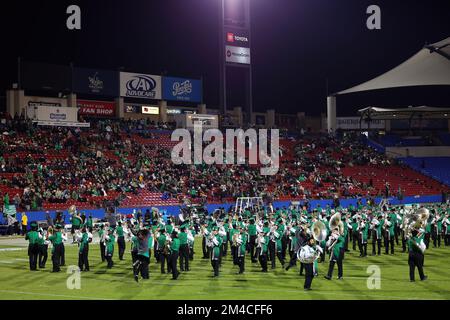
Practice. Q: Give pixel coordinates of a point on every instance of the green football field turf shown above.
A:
(17, 282)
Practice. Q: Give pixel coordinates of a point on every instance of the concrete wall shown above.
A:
(418, 151)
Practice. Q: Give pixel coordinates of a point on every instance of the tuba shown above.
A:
(319, 231)
(416, 221)
(235, 239)
(72, 209)
(50, 231)
(336, 222)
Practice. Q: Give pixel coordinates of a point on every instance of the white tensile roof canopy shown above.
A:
(430, 66)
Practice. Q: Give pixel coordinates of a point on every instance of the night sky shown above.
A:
(296, 46)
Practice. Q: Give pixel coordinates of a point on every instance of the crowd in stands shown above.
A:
(117, 159)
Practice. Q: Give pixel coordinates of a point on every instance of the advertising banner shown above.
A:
(353, 123)
(181, 89)
(132, 109)
(96, 82)
(56, 114)
(150, 110)
(138, 85)
(239, 38)
(96, 108)
(237, 54)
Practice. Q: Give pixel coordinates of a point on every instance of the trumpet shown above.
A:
(235, 239)
(50, 231)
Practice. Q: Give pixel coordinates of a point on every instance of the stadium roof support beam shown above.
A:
(376, 113)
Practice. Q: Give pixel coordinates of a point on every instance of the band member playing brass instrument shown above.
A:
(308, 254)
(416, 248)
(215, 242)
(140, 266)
(336, 245)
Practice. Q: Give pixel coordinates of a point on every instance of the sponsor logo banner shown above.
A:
(181, 89)
(238, 38)
(57, 114)
(150, 110)
(132, 109)
(96, 82)
(96, 108)
(138, 85)
(353, 123)
(237, 54)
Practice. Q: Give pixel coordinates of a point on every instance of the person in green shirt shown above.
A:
(33, 245)
(363, 233)
(76, 224)
(233, 231)
(174, 252)
(252, 239)
(169, 226)
(134, 248)
(262, 248)
(215, 243)
(140, 266)
(184, 249)
(109, 243)
(275, 247)
(242, 245)
(101, 235)
(389, 234)
(428, 232)
(191, 240)
(436, 227)
(43, 249)
(446, 224)
(354, 231)
(376, 226)
(120, 240)
(89, 223)
(57, 242)
(336, 246)
(162, 250)
(83, 250)
(416, 249)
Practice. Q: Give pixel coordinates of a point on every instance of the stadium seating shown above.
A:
(436, 167)
(333, 172)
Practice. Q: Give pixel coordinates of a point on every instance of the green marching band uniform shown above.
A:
(337, 255)
(416, 248)
(102, 241)
(215, 243)
(57, 243)
(253, 238)
(43, 248)
(242, 248)
(120, 240)
(33, 237)
(174, 253)
(109, 247)
(83, 251)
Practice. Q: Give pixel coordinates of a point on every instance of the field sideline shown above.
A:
(17, 282)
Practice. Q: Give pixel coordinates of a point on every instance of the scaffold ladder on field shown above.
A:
(243, 203)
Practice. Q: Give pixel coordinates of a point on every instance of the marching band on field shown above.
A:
(264, 235)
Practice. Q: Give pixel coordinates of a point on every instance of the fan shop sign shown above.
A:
(96, 108)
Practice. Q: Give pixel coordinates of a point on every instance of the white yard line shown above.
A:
(53, 295)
